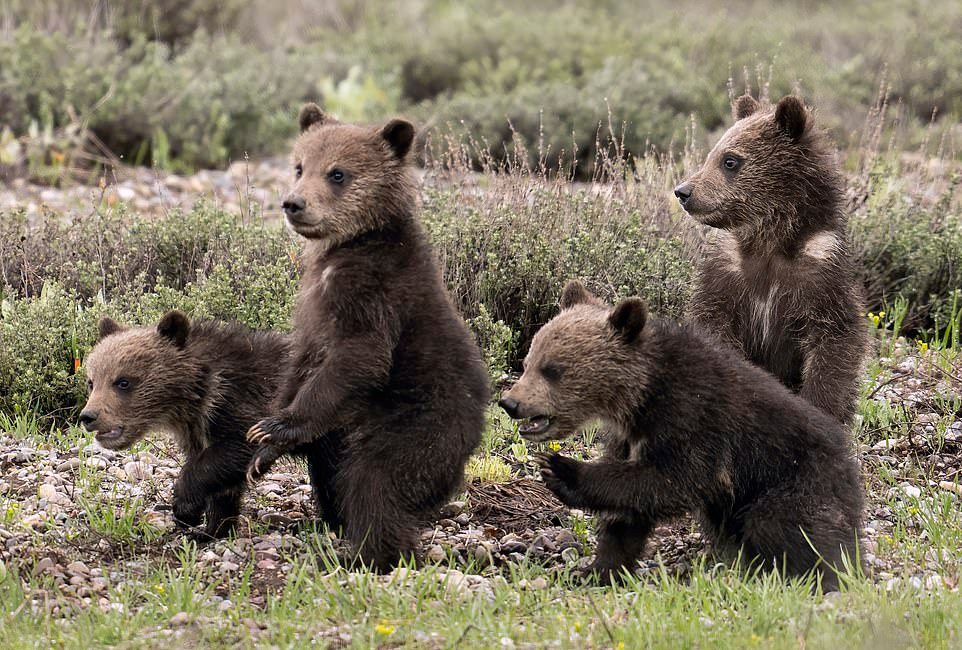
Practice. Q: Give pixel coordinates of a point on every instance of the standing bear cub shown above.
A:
(205, 383)
(695, 428)
(384, 371)
(777, 281)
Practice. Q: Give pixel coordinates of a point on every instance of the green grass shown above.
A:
(711, 606)
(715, 607)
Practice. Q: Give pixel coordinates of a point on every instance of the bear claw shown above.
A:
(257, 436)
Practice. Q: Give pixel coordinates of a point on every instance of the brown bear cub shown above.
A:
(777, 282)
(205, 383)
(695, 428)
(384, 370)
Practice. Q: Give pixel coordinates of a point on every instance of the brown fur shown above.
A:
(204, 383)
(693, 428)
(384, 369)
(777, 281)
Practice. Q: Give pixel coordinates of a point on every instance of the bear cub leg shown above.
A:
(217, 470)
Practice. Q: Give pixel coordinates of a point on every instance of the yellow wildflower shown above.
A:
(384, 629)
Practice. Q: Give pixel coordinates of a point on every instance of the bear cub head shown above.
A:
(582, 365)
(348, 179)
(758, 169)
(139, 380)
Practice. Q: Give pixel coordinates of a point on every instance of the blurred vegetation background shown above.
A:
(188, 83)
(535, 94)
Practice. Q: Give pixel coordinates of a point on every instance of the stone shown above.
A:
(69, 464)
(78, 568)
(276, 519)
(452, 510)
(138, 471)
(435, 553)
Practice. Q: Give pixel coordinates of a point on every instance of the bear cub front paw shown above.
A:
(561, 475)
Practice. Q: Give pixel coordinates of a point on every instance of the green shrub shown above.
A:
(497, 341)
(909, 246)
(41, 343)
(97, 254)
(214, 100)
(551, 73)
(506, 242)
(512, 246)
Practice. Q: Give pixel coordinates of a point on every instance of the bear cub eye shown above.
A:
(122, 384)
(336, 176)
(552, 372)
(298, 170)
(731, 163)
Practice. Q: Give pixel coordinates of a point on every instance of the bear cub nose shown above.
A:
(87, 418)
(683, 192)
(294, 205)
(510, 406)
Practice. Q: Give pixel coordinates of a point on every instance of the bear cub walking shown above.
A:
(777, 282)
(695, 428)
(206, 383)
(384, 371)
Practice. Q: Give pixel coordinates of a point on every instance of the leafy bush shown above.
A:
(908, 246)
(189, 82)
(41, 341)
(552, 73)
(213, 100)
(59, 277)
(97, 254)
(507, 242)
(511, 246)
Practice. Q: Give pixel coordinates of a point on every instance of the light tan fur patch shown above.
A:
(728, 245)
(821, 245)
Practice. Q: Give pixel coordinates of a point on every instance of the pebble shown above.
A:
(137, 471)
(43, 566)
(276, 519)
(69, 464)
(95, 462)
(435, 553)
(78, 568)
(912, 491)
(179, 619)
(452, 510)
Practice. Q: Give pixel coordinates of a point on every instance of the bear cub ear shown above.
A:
(791, 116)
(108, 326)
(175, 327)
(628, 318)
(399, 135)
(744, 106)
(312, 114)
(575, 293)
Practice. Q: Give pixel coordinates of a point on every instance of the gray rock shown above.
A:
(452, 510)
(69, 464)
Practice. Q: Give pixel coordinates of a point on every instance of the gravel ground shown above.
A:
(56, 500)
(245, 187)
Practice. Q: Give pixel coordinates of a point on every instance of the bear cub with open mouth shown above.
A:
(695, 428)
